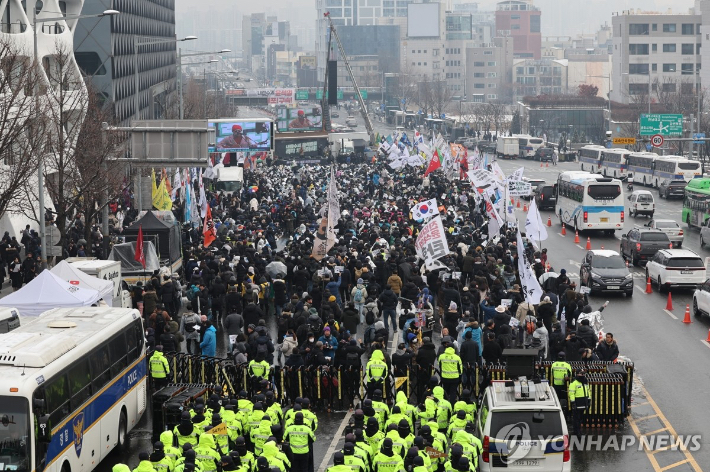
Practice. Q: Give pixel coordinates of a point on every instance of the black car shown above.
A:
(641, 244)
(543, 154)
(671, 188)
(546, 197)
(603, 270)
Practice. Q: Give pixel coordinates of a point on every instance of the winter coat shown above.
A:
(470, 352)
(587, 334)
(209, 342)
(426, 356)
(288, 346)
(607, 352)
(351, 319)
(395, 283)
(234, 324)
(389, 300)
(150, 301)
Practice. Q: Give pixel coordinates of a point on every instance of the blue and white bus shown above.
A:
(74, 385)
(675, 168)
(614, 163)
(639, 167)
(590, 202)
(590, 157)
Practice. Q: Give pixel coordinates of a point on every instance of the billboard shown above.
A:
(284, 96)
(307, 62)
(299, 119)
(423, 20)
(233, 135)
(299, 149)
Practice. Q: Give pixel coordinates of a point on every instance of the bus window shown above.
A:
(100, 367)
(117, 351)
(79, 377)
(57, 396)
(14, 434)
(604, 192)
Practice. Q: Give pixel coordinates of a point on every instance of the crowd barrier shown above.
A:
(331, 388)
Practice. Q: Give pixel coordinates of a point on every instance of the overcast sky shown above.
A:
(559, 17)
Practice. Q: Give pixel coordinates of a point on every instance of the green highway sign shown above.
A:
(319, 94)
(663, 124)
(301, 94)
(363, 94)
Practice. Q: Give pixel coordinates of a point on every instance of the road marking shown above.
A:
(669, 313)
(334, 442)
(579, 246)
(707, 344)
(639, 288)
(689, 459)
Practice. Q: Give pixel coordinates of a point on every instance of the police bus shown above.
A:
(590, 157)
(74, 385)
(613, 163)
(527, 145)
(590, 201)
(639, 167)
(675, 168)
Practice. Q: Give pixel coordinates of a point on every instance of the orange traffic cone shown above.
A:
(589, 244)
(549, 222)
(648, 285)
(669, 304)
(525, 206)
(564, 231)
(540, 163)
(518, 205)
(547, 164)
(576, 237)
(686, 320)
(708, 339)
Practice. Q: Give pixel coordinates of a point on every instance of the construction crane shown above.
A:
(363, 108)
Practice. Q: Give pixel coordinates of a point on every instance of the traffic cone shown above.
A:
(669, 304)
(708, 339)
(549, 222)
(547, 164)
(564, 231)
(686, 320)
(540, 163)
(518, 205)
(525, 206)
(648, 285)
(576, 237)
(589, 244)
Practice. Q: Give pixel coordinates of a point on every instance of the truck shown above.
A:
(507, 147)
(102, 269)
(343, 147)
(229, 179)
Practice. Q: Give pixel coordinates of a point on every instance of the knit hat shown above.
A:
(360, 281)
(453, 306)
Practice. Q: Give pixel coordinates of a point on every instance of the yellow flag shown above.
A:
(219, 430)
(161, 197)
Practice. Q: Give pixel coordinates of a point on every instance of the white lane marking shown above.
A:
(639, 288)
(579, 246)
(669, 313)
(707, 344)
(334, 442)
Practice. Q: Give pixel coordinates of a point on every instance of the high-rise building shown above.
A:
(105, 52)
(654, 52)
(520, 19)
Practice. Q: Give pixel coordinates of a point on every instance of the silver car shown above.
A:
(671, 228)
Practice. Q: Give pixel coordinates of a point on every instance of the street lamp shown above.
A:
(179, 71)
(136, 44)
(40, 168)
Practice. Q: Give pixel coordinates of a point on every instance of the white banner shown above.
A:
(475, 161)
(481, 178)
(517, 175)
(431, 242)
(517, 188)
(425, 209)
(534, 227)
(498, 173)
(530, 285)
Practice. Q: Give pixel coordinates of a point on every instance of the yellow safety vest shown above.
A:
(450, 365)
(159, 368)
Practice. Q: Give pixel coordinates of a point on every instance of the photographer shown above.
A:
(330, 344)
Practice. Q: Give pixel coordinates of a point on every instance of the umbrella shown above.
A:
(276, 269)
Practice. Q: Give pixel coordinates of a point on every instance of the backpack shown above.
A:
(369, 334)
(262, 349)
(159, 324)
(190, 325)
(357, 298)
(530, 325)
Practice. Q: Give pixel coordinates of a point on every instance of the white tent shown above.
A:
(74, 276)
(47, 291)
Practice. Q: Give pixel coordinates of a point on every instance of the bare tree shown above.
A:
(441, 97)
(21, 124)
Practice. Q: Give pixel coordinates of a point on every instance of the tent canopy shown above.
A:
(126, 254)
(74, 276)
(166, 237)
(47, 291)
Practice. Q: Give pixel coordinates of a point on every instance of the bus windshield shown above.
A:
(689, 165)
(604, 192)
(14, 433)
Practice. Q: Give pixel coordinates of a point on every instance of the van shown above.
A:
(641, 202)
(522, 427)
(507, 147)
(546, 197)
(9, 319)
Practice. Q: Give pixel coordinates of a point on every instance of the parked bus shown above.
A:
(639, 167)
(613, 163)
(74, 385)
(696, 203)
(588, 201)
(590, 157)
(675, 168)
(527, 145)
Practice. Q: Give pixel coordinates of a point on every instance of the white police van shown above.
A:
(522, 427)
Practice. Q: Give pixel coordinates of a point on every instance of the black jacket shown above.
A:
(426, 356)
(492, 352)
(587, 334)
(401, 360)
(252, 314)
(389, 300)
(607, 352)
(469, 352)
(572, 347)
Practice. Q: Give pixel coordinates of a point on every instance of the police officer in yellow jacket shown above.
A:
(580, 397)
(161, 462)
(451, 370)
(356, 464)
(185, 431)
(159, 368)
(144, 465)
(561, 373)
(387, 460)
(300, 436)
(339, 464)
(375, 372)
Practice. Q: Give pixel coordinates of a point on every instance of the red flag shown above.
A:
(140, 255)
(434, 164)
(208, 230)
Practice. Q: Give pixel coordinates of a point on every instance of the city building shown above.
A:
(489, 71)
(533, 77)
(564, 116)
(521, 20)
(654, 52)
(105, 53)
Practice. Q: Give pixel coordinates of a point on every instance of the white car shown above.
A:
(641, 203)
(701, 299)
(672, 229)
(676, 268)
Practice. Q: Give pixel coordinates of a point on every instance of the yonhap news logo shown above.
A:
(516, 442)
